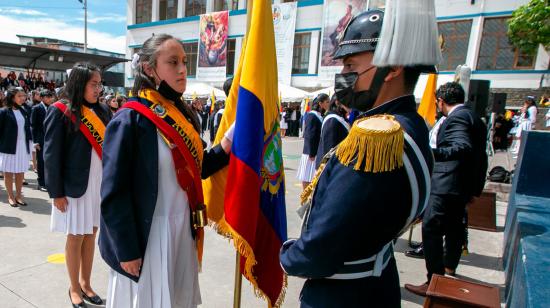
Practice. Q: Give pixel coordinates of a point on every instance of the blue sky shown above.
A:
(64, 19)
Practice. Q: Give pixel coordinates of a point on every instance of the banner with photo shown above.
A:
(212, 58)
(284, 21)
(336, 17)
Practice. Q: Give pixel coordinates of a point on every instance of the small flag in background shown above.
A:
(427, 108)
(212, 101)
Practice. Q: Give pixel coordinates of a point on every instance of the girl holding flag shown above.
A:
(74, 131)
(152, 211)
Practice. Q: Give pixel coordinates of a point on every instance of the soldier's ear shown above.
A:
(395, 72)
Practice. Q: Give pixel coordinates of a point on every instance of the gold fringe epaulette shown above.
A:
(374, 144)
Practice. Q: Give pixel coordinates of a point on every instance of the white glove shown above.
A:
(229, 133)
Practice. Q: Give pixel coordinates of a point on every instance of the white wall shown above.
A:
(310, 18)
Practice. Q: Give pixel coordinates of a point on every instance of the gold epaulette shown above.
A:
(374, 144)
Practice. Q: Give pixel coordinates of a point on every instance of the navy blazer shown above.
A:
(8, 130)
(67, 153)
(332, 133)
(312, 134)
(130, 186)
(38, 115)
(460, 157)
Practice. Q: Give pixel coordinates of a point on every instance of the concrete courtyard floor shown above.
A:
(28, 279)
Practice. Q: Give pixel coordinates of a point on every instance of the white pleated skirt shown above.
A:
(169, 276)
(306, 171)
(20, 161)
(83, 213)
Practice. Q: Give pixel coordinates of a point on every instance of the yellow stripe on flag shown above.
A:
(427, 108)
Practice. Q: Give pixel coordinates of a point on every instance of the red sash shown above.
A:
(85, 130)
(187, 173)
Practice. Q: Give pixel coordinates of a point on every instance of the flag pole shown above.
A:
(238, 276)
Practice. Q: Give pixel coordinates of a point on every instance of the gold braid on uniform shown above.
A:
(374, 144)
(307, 193)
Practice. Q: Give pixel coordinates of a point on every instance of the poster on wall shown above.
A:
(336, 17)
(284, 22)
(212, 46)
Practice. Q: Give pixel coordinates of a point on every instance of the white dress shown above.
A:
(82, 213)
(170, 275)
(18, 162)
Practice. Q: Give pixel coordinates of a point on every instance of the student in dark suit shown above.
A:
(38, 115)
(459, 175)
(312, 135)
(74, 129)
(147, 236)
(335, 128)
(15, 136)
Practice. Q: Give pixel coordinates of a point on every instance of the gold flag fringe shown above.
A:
(244, 249)
(373, 150)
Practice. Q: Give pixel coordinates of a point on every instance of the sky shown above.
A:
(64, 19)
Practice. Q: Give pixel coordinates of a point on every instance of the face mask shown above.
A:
(168, 92)
(362, 100)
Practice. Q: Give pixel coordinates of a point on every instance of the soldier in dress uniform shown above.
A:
(376, 182)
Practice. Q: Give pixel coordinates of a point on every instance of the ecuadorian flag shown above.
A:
(250, 206)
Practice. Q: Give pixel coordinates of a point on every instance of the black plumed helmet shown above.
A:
(361, 34)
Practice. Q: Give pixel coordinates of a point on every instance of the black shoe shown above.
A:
(42, 188)
(96, 300)
(20, 202)
(13, 204)
(25, 183)
(415, 245)
(417, 253)
(79, 305)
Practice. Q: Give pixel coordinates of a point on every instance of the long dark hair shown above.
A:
(148, 54)
(9, 101)
(335, 107)
(318, 100)
(73, 92)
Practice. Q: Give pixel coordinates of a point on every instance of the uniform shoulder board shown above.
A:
(374, 144)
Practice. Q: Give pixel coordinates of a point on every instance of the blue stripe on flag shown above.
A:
(249, 130)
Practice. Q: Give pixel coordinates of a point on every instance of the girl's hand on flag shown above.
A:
(227, 140)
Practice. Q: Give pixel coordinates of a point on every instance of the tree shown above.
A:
(530, 26)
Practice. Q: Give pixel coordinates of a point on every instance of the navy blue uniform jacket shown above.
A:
(38, 115)
(130, 186)
(332, 133)
(67, 153)
(460, 157)
(353, 215)
(312, 134)
(8, 130)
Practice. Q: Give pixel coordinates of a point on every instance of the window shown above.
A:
(300, 59)
(455, 36)
(168, 9)
(496, 52)
(195, 7)
(143, 11)
(225, 5)
(230, 56)
(191, 52)
(377, 4)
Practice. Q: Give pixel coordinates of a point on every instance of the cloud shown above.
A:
(13, 11)
(57, 29)
(108, 17)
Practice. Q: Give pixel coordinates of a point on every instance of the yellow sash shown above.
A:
(181, 125)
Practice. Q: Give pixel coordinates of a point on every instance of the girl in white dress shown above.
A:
(15, 146)
(72, 164)
(146, 234)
